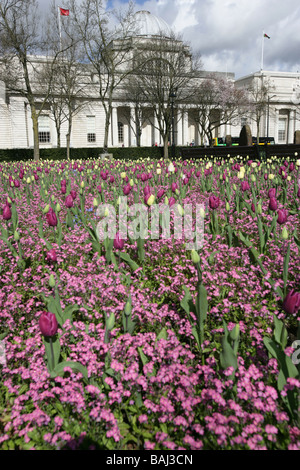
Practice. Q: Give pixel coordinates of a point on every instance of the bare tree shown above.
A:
(68, 92)
(20, 42)
(258, 95)
(216, 102)
(165, 70)
(106, 47)
(131, 94)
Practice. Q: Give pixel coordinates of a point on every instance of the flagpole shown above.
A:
(59, 26)
(262, 51)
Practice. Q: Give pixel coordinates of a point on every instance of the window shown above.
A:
(44, 130)
(282, 129)
(121, 132)
(91, 128)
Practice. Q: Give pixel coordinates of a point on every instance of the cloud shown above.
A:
(229, 33)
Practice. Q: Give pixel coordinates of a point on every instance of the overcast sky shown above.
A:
(229, 33)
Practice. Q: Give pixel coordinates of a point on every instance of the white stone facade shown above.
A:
(280, 119)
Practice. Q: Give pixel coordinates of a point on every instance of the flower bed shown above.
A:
(136, 343)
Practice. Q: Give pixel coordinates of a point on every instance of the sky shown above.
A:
(228, 34)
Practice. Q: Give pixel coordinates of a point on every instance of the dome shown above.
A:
(146, 24)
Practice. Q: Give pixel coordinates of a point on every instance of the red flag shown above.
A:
(64, 12)
(266, 36)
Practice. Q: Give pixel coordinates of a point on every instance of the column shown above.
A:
(115, 140)
(132, 127)
(276, 125)
(185, 138)
(179, 127)
(291, 126)
(110, 138)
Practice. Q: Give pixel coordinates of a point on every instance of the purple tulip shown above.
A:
(292, 167)
(160, 193)
(272, 192)
(291, 302)
(99, 188)
(245, 186)
(126, 189)
(51, 218)
(273, 204)
(265, 176)
(172, 201)
(147, 190)
(298, 193)
(73, 194)
(6, 212)
(69, 202)
(253, 207)
(63, 189)
(174, 186)
(48, 324)
(185, 180)
(17, 183)
(118, 242)
(214, 202)
(282, 216)
(51, 256)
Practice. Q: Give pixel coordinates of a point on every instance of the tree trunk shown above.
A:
(35, 128)
(257, 131)
(69, 136)
(166, 147)
(58, 138)
(138, 128)
(106, 129)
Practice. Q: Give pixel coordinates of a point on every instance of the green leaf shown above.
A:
(125, 257)
(75, 366)
(187, 304)
(227, 357)
(286, 267)
(143, 357)
(69, 310)
(280, 332)
(201, 304)
(286, 365)
(162, 334)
